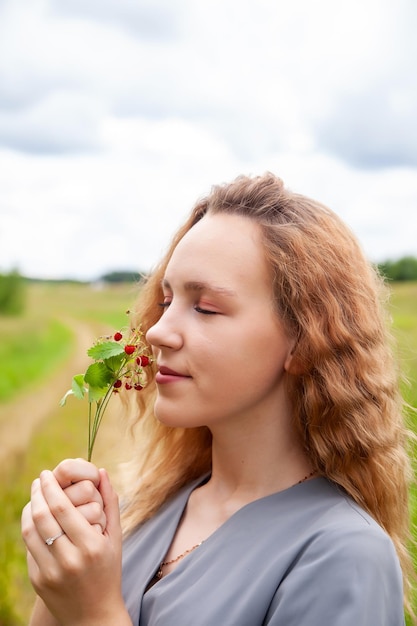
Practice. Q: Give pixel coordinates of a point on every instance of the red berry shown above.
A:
(117, 384)
(143, 360)
(128, 386)
(118, 336)
(129, 349)
(138, 387)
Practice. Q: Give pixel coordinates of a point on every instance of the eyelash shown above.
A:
(165, 305)
(204, 311)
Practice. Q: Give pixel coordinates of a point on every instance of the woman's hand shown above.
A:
(78, 576)
(80, 480)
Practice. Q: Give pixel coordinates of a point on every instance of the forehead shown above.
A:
(221, 248)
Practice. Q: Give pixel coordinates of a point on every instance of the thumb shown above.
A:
(111, 506)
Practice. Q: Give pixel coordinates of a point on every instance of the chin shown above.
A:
(172, 419)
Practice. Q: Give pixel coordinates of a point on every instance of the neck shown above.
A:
(253, 461)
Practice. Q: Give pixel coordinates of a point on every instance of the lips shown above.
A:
(167, 375)
(166, 371)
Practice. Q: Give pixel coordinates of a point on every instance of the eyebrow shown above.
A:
(199, 286)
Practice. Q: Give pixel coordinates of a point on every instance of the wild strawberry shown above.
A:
(138, 387)
(143, 360)
(118, 336)
(129, 349)
(117, 384)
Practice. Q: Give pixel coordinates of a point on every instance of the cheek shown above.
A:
(262, 348)
(244, 367)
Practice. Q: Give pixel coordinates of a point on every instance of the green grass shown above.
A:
(28, 352)
(404, 311)
(32, 346)
(107, 305)
(63, 434)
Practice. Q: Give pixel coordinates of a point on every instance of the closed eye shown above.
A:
(204, 311)
(198, 309)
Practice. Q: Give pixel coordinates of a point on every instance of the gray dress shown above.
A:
(306, 556)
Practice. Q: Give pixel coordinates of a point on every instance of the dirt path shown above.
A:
(20, 418)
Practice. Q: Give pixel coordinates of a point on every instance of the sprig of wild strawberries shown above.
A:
(118, 361)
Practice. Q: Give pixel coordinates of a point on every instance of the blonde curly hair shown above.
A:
(344, 386)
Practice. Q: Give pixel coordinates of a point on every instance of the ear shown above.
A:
(293, 364)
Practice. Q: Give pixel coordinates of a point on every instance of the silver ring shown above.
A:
(50, 540)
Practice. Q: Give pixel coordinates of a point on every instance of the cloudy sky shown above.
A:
(116, 115)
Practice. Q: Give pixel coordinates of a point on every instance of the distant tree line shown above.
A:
(12, 293)
(126, 276)
(400, 270)
(121, 277)
(13, 285)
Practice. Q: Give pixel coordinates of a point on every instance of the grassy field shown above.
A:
(34, 346)
(404, 311)
(38, 344)
(26, 355)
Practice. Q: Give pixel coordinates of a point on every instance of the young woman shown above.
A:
(271, 483)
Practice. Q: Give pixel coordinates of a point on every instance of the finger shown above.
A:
(43, 520)
(111, 506)
(27, 526)
(88, 501)
(94, 514)
(38, 524)
(73, 470)
(32, 540)
(83, 492)
(33, 569)
(61, 508)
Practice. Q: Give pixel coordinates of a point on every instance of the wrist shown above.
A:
(41, 616)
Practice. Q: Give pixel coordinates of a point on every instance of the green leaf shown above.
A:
(114, 362)
(96, 393)
(105, 350)
(98, 375)
(77, 387)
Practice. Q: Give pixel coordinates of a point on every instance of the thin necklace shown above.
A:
(159, 573)
(310, 475)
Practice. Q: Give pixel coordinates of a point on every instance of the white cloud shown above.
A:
(62, 122)
(115, 116)
(150, 19)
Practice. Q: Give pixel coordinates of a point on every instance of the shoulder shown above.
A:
(345, 571)
(358, 543)
(347, 565)
(341, 529)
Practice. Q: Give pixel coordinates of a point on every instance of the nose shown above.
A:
(165, 333)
